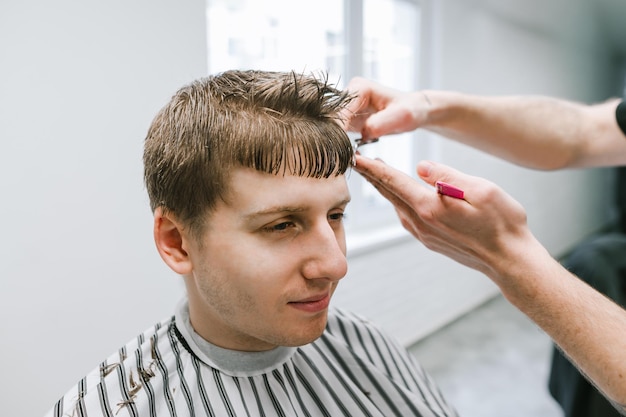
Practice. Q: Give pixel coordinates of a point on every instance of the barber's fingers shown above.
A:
(393, 184)
(354, 115)
(432, 172)
(404, 193)
(431, 218)
(396, 117)
(479, 192)
(398, 186)
(479, 231)
(374, 111)
(483, 200)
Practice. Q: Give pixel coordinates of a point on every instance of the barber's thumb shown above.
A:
(381, 123)
(431, 172)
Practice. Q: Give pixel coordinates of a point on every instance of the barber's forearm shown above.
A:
(587, 326)
(533, 131)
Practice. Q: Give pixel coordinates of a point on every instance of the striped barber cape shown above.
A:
(353, 369)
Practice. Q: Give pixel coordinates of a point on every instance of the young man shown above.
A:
(487, 230)
(245, 173)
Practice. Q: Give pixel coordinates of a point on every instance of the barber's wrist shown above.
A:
(439, 106)
(620, 116)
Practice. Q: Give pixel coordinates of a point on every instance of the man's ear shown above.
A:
(171, 242)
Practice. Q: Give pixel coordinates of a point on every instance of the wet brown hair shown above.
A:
(280, 123)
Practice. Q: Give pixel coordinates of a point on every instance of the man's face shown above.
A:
(269, 261)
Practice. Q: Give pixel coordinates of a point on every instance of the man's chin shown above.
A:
(307, 334)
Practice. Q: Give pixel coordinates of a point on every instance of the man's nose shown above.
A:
(325, 254)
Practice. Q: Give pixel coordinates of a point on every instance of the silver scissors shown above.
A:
(360, 142)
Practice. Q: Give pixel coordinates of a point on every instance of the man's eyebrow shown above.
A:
(287, 209)
(274, 210)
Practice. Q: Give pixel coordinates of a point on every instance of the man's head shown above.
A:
(273, 122)
(245, 173)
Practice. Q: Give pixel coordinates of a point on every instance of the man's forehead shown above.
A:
(253, 188)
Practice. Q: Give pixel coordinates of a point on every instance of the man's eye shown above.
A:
(280, 227)
(337, 216)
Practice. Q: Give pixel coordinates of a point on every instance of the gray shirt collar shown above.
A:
(231, 362)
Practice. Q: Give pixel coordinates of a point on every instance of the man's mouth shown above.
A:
(312, 304)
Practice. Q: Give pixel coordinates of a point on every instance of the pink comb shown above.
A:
(449, 190)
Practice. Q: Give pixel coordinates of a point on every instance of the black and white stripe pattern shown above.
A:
(353, 369)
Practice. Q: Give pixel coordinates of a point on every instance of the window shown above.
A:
(378, 39)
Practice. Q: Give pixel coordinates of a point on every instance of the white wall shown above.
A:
(80, 82)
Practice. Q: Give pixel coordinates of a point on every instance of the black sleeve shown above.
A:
(620, 116)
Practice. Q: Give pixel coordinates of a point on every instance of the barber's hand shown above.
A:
(486, 231)
(380, 110)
